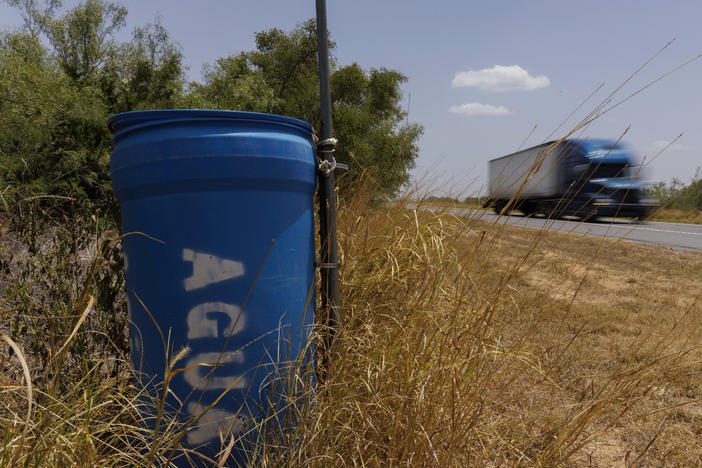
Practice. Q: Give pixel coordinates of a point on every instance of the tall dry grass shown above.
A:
(442, 361)
(457, 348)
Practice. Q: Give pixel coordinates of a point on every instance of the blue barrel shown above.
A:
(217, 217)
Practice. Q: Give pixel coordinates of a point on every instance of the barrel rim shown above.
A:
(125, 120)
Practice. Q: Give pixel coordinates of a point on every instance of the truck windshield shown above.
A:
(608, 171)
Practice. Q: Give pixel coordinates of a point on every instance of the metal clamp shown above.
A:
(328, 266)
(327, 146)
(328, 164)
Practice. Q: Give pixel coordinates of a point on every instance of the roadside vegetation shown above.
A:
(680, 202)
(464, 342)
(64, 74)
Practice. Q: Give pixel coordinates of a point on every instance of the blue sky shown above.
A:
(483, 74)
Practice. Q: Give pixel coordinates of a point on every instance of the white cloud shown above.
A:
(659, 145)
(475, 108)
(500, 78)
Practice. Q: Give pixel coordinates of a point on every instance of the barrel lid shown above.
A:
(125, 120)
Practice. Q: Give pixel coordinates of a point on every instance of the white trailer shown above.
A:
(533, 172)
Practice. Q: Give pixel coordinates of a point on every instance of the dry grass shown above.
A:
(671, 215)
(631, 311)
(464, 343)
(469, 343)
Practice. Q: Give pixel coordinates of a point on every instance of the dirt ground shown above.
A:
(624, 303)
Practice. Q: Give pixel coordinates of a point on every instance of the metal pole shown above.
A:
(329, 256)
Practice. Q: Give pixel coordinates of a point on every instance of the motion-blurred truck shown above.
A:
(576, 177)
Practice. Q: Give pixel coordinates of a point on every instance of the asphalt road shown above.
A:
(675, 235)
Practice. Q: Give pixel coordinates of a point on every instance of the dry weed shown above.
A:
(464, 343)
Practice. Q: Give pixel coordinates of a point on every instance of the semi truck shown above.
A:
(587, 178)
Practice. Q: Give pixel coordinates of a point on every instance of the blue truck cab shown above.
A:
(602, 178)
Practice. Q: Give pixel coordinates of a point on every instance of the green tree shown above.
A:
(45, 124)
(234, 83)
(83, 39)
(281, 76)
(371, 125)
(55, 98)
(34, 14)
(146, 73)
(677, 194)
